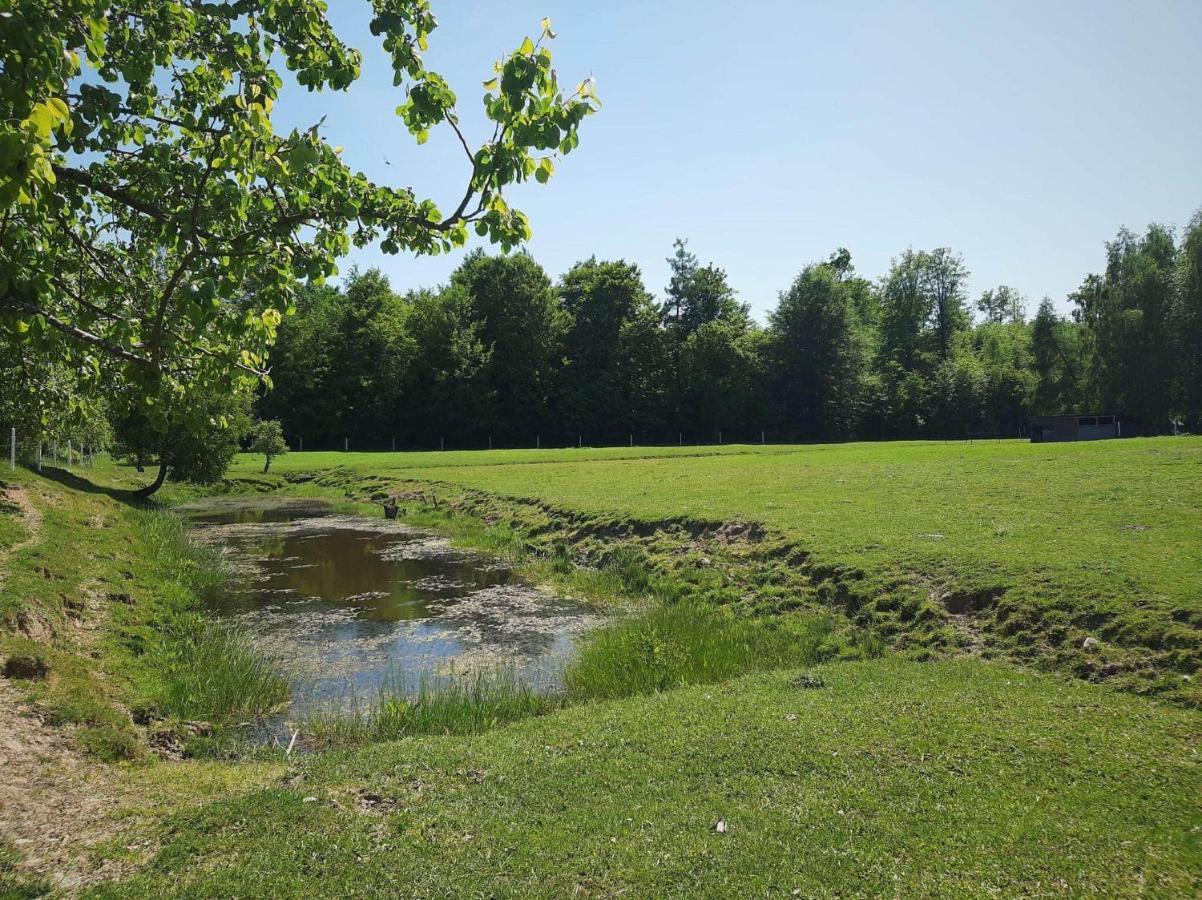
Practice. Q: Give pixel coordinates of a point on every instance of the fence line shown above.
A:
(575, 439)
(15, 447)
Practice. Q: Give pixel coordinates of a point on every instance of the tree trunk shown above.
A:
(157, 483)
(266, 464)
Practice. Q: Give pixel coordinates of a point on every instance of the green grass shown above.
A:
(1006, 506)
(469, 703)
(16, 885)
(108, 595)
(218, 676)
(1032, 547)
(856, 776)
(680, 644)
(895, 778)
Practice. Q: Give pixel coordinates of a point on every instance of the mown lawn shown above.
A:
(895, 778)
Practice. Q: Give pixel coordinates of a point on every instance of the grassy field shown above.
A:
(1036, 547)
(939, 779)
(1126, 513)
(853, 776)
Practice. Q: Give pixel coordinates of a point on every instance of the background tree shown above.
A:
(600, 300)
(267, 437)
(816, 350)
(943, 277)
(305, 364)
(1055, 361)
(1187, 326)
(193, 444)
(520, 326)
(698, 294)
(40, 397)
(1126, 319)
(722, 381)
(446, 391)
(1002, 304)
(596, 356)
(1007, 379)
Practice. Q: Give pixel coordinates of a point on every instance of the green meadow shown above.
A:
(927, 669)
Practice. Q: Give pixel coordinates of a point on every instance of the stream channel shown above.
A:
(350, 605)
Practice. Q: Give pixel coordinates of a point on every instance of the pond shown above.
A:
(350, 604)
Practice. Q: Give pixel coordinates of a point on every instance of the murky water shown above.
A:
(348, 603)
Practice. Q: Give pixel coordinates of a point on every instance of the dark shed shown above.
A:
(1047, 429)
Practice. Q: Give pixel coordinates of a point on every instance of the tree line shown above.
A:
(503, 355)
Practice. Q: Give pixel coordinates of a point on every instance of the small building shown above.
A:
(1047, 429)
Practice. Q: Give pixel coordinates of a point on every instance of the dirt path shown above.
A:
(54, 804)
(32, 519)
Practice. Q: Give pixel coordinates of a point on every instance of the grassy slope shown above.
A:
(896, 778)
(105, 593)
(1101, 537)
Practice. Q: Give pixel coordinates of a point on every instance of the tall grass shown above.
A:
(218, 675)
(683, 643)
(209, 671)
(469, 703)
(498, 539)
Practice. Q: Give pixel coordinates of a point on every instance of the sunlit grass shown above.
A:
(465, 703)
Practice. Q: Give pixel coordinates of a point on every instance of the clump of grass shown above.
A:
(199, 569)
(683, 643)
(625, 573)
(496, 538)
(196, 668)
(469, 703)
(218, 675)
(17, 885)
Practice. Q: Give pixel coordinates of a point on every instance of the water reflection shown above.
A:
(347, 602)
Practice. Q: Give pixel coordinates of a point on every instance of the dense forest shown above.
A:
(504, 355)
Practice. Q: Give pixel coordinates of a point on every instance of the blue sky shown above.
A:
(769, 133)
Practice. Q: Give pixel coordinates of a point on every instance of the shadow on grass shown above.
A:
(128, 496)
